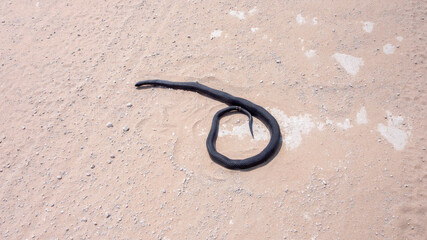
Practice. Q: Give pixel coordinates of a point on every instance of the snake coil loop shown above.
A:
(235, 104)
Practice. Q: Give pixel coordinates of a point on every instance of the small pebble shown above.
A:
(163, 190)
(88, 174)
(129, 105)
(125, 129)
(59, 177)
(112, 156)
(109, 161)
(278, 61)
(84, 219)
(92, 166)
(109, 125)
(99, 97)
(107, 214)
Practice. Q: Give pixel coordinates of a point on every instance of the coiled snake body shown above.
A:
(235, 104)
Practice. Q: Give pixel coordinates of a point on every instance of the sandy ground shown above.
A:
(345, 80)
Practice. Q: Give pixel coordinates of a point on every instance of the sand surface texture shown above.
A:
(85, 155)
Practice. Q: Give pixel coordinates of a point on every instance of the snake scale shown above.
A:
(235, 104)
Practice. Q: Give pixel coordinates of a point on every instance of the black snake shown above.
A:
(235, 104)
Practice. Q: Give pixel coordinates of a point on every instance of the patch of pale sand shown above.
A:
(389, 49)
(300, 19)
(368, 26)
(239, 14)
(320, 126)
(242, 131)
(294, 127)
(329, 122)
(345, 125)
(310, 53)
(252, 11)
(314, 21)
(361, 117)
(349, 63)
(216, 34)
(396, 132)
